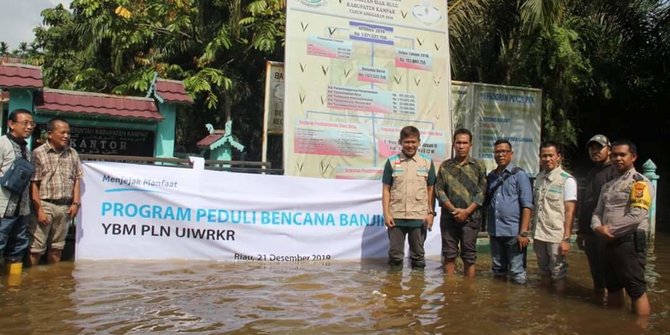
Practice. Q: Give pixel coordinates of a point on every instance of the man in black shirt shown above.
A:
(602, 172)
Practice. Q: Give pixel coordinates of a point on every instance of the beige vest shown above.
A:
(409, 191)
(549, 213)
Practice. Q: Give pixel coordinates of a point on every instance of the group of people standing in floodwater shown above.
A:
(611, 211)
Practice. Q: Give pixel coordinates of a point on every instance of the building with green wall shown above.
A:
(100, 123)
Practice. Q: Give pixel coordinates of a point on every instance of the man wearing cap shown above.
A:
(620, 221)
(602, 171)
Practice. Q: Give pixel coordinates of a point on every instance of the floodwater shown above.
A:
(313, 298)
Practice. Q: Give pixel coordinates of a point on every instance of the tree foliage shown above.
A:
(218, 48)
(586, 56)
(583, 54)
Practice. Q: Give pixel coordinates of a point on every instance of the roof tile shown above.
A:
(172, 91)
(209, 140)
(117, 107)
(20, 76)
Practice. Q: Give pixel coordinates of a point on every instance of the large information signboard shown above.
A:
(357, 71)
(462, 100)
(512, 113)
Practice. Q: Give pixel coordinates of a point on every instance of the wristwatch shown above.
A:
(524, 234)
(566, 239)
(433, 213)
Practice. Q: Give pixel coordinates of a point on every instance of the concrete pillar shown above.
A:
(165, 132)
(649, 171)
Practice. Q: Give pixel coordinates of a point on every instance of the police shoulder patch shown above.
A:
(639, 195)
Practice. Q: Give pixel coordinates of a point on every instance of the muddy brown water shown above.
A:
(174, 297)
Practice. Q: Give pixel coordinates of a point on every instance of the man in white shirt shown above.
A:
(555, 196)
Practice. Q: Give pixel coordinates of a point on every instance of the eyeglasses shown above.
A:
(27, 123)
(501, 152)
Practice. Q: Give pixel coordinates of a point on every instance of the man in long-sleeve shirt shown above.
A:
(621, 221)
(601, 172)
(459, 189)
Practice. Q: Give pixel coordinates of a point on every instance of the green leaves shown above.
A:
(204, 84)
(217, 47)
(575, 51)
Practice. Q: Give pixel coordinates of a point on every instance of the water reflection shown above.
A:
(311, 298)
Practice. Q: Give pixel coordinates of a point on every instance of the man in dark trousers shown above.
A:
(460, 189)
(621, 222)
(407, 199)
(15, 207)
(601, 172)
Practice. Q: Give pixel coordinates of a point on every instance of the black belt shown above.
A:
(621, 239)
(58, 202)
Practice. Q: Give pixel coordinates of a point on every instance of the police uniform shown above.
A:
(623, 207)
(409, 178)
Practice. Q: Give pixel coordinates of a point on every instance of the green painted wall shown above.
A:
(20, 98)
(165, 131)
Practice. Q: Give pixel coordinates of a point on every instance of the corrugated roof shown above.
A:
(20, 76)
(97, 104)
(172, 91)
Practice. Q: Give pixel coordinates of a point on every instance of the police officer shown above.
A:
(621, 222)
(407, 199)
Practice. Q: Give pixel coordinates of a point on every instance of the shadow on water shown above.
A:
(313, 298)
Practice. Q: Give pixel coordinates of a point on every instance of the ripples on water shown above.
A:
(310, 298)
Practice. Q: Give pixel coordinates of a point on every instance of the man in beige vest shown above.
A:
(407, 195)
(555, 196)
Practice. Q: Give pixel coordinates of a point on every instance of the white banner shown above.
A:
(152, 212)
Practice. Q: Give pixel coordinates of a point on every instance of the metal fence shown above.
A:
(216, 165)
